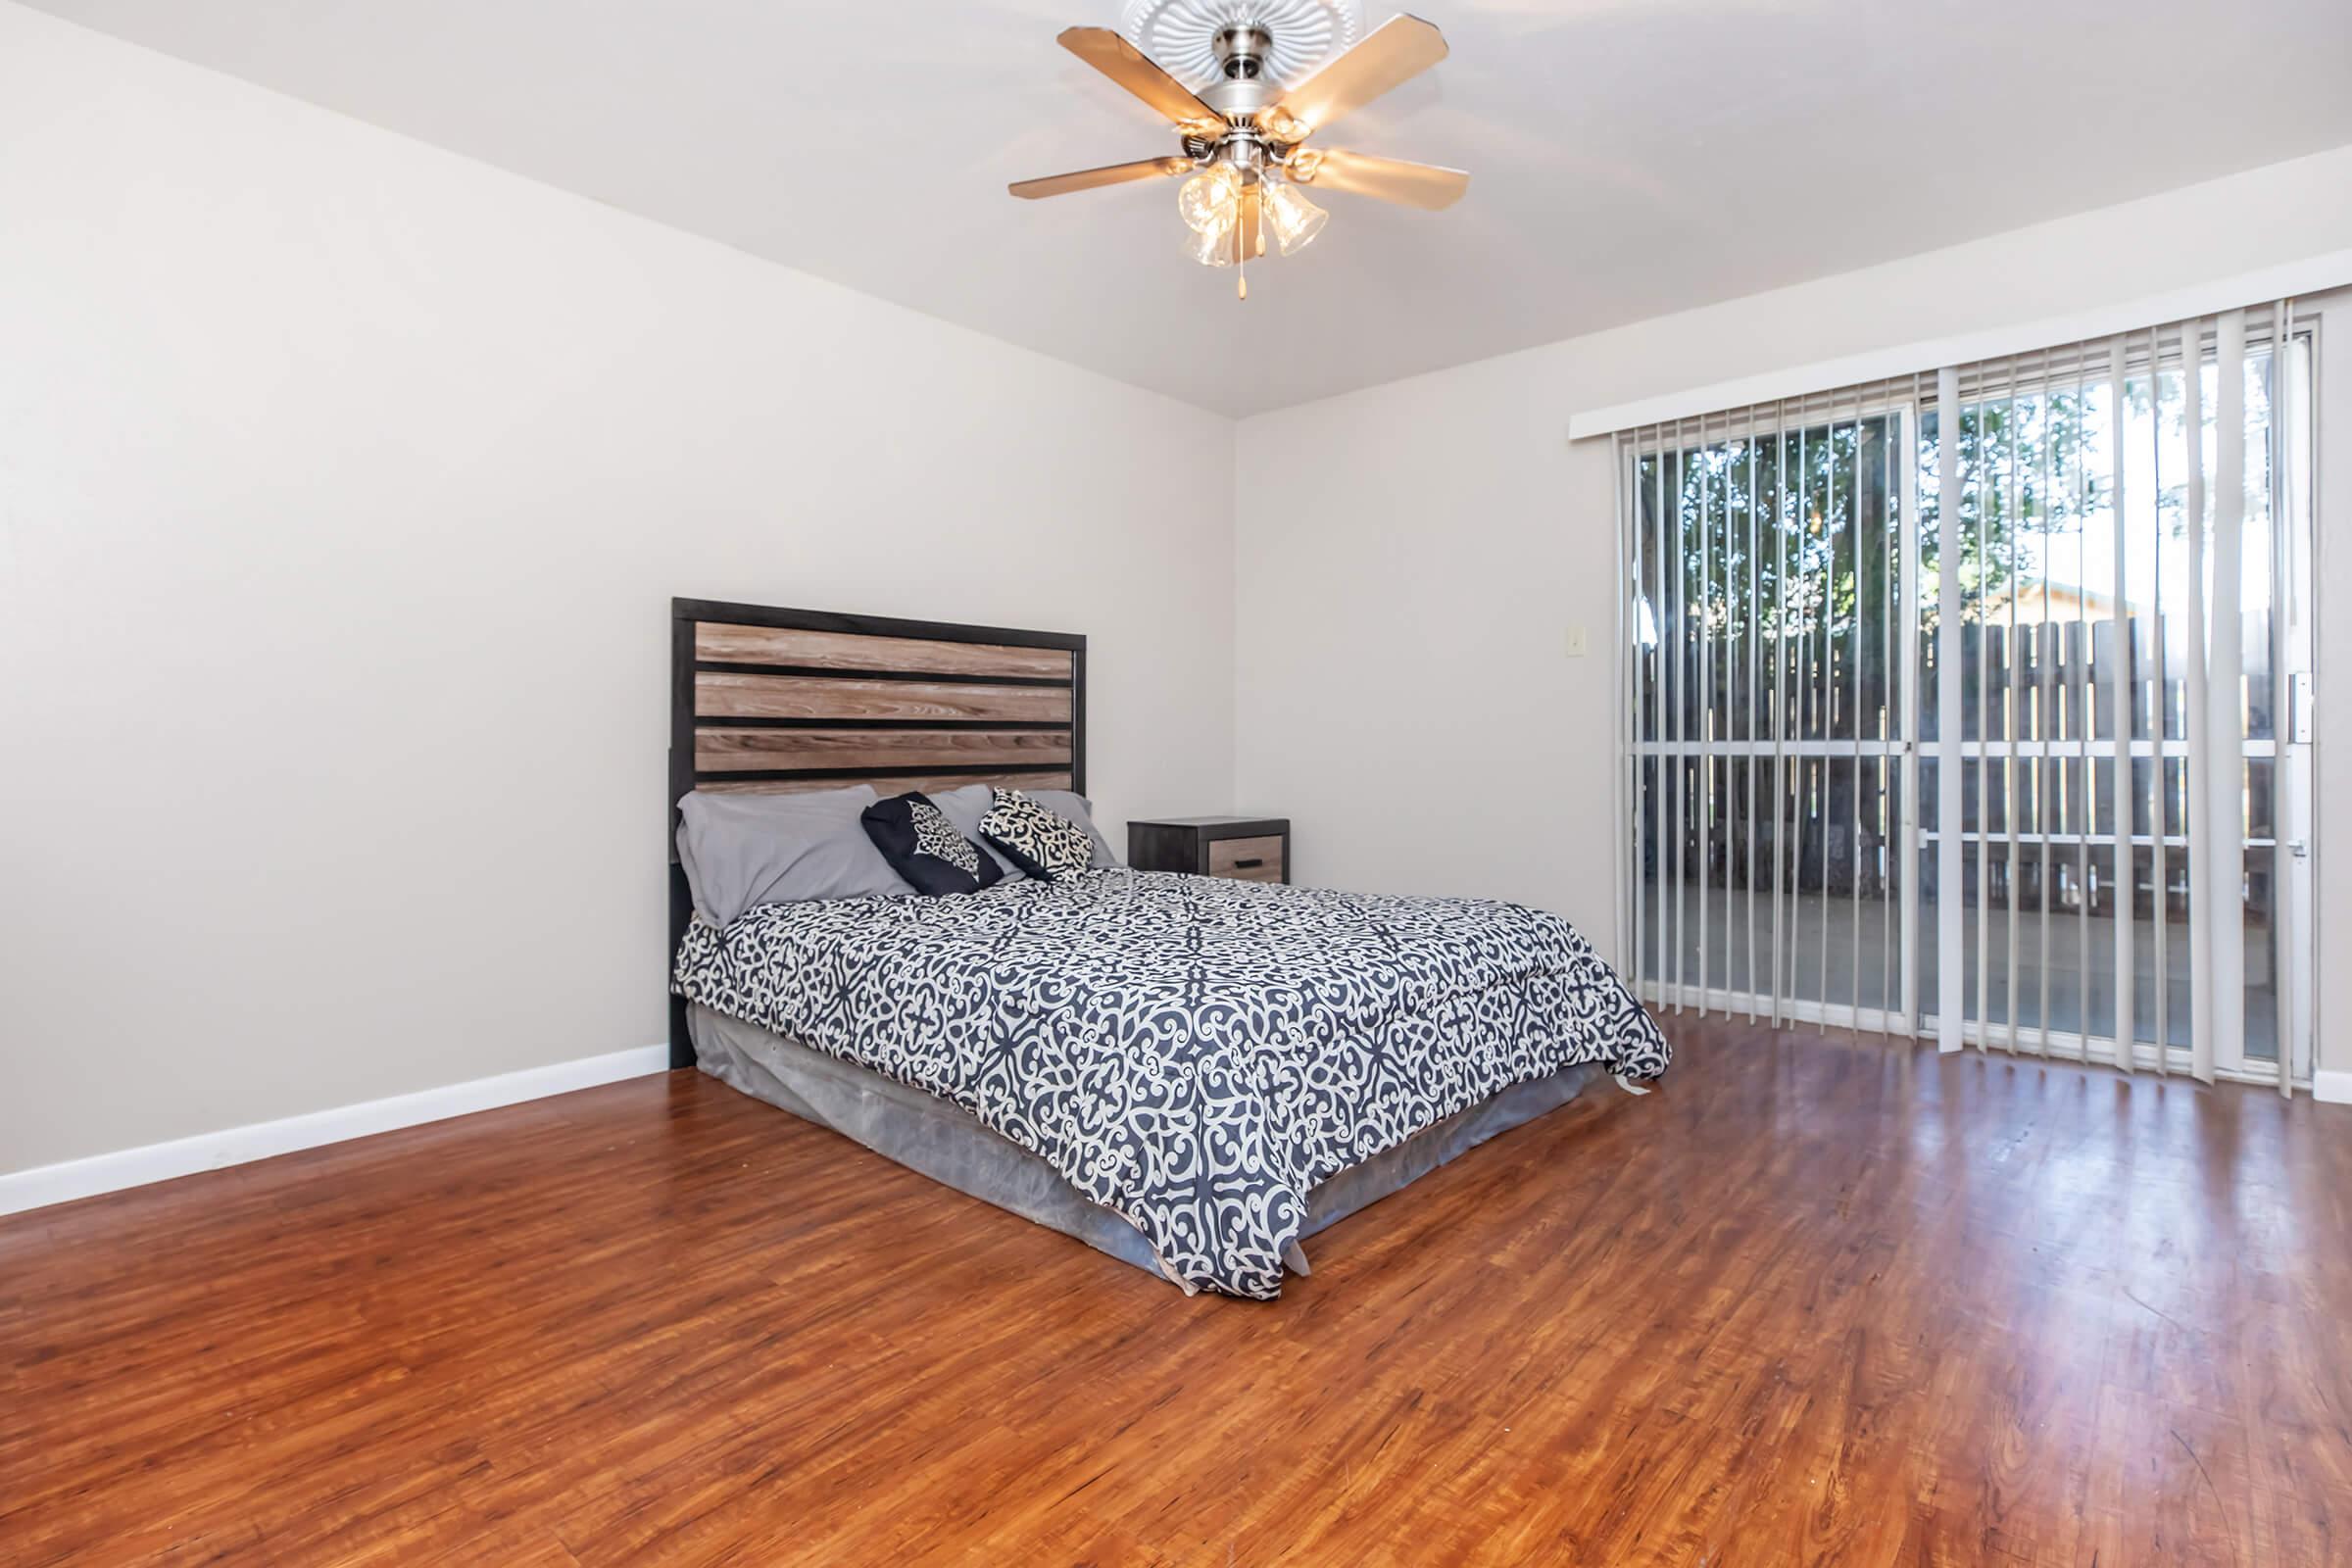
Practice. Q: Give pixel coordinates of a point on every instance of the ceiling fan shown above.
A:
(1244, 137)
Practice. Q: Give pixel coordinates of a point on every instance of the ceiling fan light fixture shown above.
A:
(1211, 246)
(1207, 200)
(1295, 220)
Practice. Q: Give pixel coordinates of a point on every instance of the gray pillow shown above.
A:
(966, 807)
(739, 850)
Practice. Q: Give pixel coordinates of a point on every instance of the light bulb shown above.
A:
(1206, 199)
(1295, 220)
(1211, 246)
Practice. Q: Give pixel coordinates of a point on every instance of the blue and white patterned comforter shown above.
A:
(1192, 1053)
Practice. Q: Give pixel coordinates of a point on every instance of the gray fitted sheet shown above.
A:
(942, 1141)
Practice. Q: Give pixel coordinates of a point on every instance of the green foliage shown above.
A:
(1809, 526)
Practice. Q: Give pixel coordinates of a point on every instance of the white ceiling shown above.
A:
(1628, 156)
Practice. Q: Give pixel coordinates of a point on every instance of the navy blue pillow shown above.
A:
(923, 847)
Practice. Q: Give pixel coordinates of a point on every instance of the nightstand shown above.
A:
(1252, 849)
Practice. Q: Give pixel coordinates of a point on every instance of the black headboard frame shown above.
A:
(767, 700)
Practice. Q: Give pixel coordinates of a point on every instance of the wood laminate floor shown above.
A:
(1814, 1302)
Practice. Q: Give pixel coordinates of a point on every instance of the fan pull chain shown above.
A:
(1241, 243)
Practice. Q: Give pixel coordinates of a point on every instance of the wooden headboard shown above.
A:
(779, 699)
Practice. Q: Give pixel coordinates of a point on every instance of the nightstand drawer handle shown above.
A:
(1251, 864)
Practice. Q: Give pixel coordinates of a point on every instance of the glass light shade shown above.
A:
(1211, 246)
(1206, 199)
(1295, 220)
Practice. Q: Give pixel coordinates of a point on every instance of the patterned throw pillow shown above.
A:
(1038, 841)
(923, 847)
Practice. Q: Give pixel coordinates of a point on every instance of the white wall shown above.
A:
(1411, 557)
(343, 488)
(343, 484)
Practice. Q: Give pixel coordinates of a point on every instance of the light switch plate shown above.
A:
(1575, 642)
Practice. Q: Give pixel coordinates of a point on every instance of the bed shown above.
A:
(1191, 1074)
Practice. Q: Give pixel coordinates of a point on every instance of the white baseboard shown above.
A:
(2332, 1088)
(155, 1162)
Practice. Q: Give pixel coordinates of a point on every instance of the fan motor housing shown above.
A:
(1246, 85)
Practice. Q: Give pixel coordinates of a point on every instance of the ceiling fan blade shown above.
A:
(1133, 69)
(1387, 180)
(1397, 51)
(1089, 178)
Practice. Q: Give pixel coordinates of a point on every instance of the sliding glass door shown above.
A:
(1773, 571)
(1994, 743)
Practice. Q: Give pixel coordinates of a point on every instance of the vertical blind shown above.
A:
(1959, 703)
